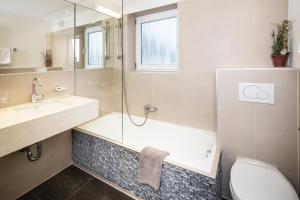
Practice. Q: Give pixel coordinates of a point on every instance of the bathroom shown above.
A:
(86, 93)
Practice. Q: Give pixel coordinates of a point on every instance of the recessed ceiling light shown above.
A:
(67, 11)
(108, 12)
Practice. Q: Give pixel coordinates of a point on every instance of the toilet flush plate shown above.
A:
(257, 93)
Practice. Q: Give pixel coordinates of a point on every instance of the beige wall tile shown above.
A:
(164, 95)
(232, 24)
(235, 122)
(139, 91)
(18, 175)
(19, 86)
(97, 84)
(196, 99)
(211, 34)
(263, 17)
(276, 125)
(194, 33)
(62, 152)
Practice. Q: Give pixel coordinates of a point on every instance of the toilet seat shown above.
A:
(255, 180)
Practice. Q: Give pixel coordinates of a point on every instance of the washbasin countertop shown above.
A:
(13, 115)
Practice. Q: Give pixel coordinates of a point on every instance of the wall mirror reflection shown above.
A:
(97, 39)
(36, 36)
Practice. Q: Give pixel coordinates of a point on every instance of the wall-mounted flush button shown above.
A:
(257, 92)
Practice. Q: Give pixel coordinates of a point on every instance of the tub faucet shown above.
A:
(37, 93)
(149, 108)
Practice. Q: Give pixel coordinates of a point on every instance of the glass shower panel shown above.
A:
(150, 76)
(98, 65)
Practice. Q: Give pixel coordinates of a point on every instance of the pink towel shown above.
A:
(150, 166)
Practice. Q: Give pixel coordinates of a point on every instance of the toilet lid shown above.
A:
(251, 179)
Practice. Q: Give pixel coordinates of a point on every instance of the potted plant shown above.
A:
(280, 48)
(47, 57)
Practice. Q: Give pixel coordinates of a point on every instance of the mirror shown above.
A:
(36, 36)
(98, 50)
(97, 37)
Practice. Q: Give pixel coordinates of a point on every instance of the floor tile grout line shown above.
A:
(79, 189)
(45, 180)
(70, 195)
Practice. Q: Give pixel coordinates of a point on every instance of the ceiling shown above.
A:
(130, 6)
(33, 8)
(63, 8)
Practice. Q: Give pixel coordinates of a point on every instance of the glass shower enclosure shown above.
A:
(98, 61)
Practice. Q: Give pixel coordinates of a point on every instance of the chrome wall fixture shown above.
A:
(30, 155)
(37, 93)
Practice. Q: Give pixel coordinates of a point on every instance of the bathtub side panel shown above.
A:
(120, 166)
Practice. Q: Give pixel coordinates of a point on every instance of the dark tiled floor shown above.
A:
(74, 184)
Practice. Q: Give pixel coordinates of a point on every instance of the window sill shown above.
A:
(154, 71)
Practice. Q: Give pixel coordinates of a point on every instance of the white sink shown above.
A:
(40, 109)
(26, 124)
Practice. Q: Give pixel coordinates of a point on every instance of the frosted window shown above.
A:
(95, 48)
(158, 42)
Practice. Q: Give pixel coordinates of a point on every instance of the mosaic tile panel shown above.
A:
(120, 166)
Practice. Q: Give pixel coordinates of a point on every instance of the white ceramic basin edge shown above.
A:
(26, 124)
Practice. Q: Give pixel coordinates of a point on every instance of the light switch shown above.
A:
(257, 92)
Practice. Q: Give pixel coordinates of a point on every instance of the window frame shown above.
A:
(87, 31)
(152, 18)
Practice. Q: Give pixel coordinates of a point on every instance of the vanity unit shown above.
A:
(27, 124)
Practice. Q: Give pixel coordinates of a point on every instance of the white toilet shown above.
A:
(255, 180)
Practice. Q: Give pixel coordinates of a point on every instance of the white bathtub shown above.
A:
(190, 148)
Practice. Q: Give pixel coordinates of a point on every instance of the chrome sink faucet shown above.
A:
(37, 93)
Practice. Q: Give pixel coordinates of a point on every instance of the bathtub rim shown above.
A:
(213, 171)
